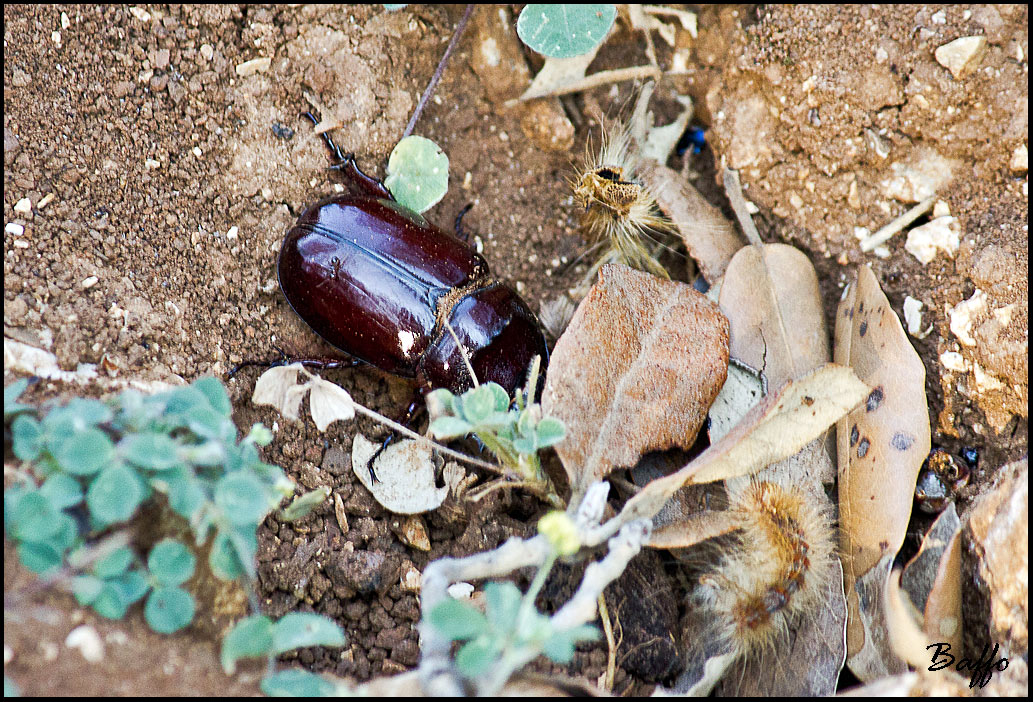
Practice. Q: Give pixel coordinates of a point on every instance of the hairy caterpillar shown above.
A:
(775, 573)
(620, 211)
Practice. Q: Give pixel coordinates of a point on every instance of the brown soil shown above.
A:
(171, 188)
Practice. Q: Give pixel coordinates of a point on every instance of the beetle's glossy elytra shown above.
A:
(378, 281)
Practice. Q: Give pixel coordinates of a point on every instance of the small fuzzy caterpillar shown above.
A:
(774, 574)
(619, 210)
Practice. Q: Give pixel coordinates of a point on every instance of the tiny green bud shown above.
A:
(561, 533)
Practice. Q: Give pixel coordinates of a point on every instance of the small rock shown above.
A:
(258, 65)
(938, 235)
(460, 591)
(962, 56)
(20, 78)
(207, 51)
(366, 572)
(87, 640)
(23, 206)
(89, 282)
(913, 316)
(14, 229)
(964, 315)
(1019, 163)
(412, 580)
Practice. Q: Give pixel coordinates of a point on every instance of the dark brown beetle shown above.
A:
(378, 282)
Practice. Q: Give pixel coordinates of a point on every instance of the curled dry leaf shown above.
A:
(932, 580)
(405, 475)
(635, 371)
(779, 426)
(710, 239)
(881, 446)
(279, 388)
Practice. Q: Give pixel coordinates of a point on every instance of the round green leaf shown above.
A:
(35, 518)
(563, 31)
(550, 431)
(417, 173)
(478, 404)
(457, 620)
(475, 658)
(26, 438)
(62, 491)
(449, 428)
(171, 563)
(503, 605)
(150, 450)
(301, 629)
(223, 560)
(114, 564)
(186, 496)
(242, 498)
(251, 637)
(86, 588)
(84, 452)
(297, 683)
(115, 494)
(215, 392)
(39, 558)
(169, 609)
(559, 647)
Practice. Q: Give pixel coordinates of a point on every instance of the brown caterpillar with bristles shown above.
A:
(619, 210)
(776, 571)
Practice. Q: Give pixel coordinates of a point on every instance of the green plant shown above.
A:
(511, 632)
(514, 430)
(101, 461)
(564, 31)
(417, 173)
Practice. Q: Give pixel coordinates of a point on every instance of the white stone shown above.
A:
(964, 315)
(953, 361)
(913, 317)
(938, 235)
(14, 229)
(87, 640)
(962, 56)
(1019, 160)
(23, 206)
(460, 591)
(258, 65)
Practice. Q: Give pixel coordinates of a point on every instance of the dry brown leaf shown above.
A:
(779, 426)
(635, 371)
(881, 446)
(710, 239)
(771, 297)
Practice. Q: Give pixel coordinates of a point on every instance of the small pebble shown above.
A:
(14, 229)
(89, 282)
(962, 56)
(23, 206)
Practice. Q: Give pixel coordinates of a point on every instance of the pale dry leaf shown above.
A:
(329, 402)
(405, 475)
(779, 426)
(710, 238)
(561, 76)
(941, 552)
(903, 623)
(881, 444)
(635, 371)
(875, 658)
(278, 387)
(773, 304)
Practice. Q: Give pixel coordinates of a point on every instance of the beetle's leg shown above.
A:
(345, 164)
(406, 420)
(460, 231)
(285, 360)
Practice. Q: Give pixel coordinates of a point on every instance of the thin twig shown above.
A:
(438, 72)
(884, 234)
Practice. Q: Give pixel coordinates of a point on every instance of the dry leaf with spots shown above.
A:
(881, 446)
(405, 475)
(635, 371)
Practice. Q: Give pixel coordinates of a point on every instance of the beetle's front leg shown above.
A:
(406, 420)
(285, 360)
(356, 181)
